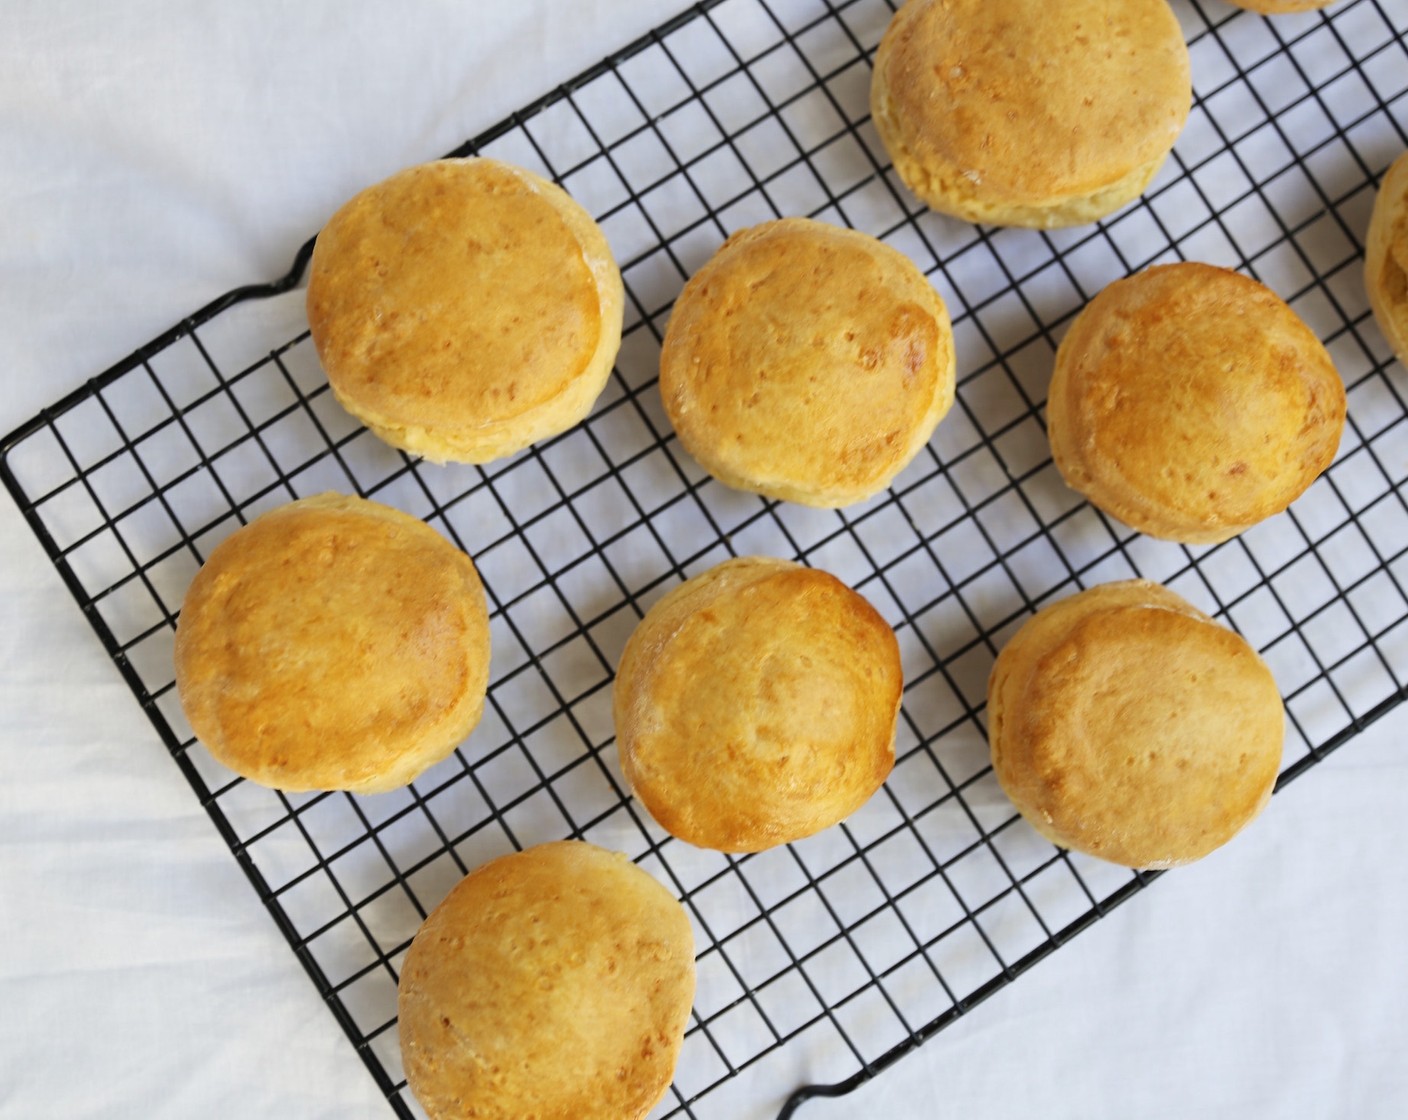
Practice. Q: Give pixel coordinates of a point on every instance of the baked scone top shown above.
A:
(1191, 402)
(456, 302)
(1030, 102)
(555, 982)
(333, 643)
(756, 704)
(808, 362)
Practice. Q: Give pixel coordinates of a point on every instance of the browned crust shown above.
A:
(1386, 257)
(1126, 724)
(756, 704)
(464, 309)
(1014, 113)
(807, 362)
(1191, 403)
(554, 983)
(333, 643)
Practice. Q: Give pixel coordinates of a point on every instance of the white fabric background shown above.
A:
(155, 154)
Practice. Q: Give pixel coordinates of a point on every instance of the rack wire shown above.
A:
(829, 959)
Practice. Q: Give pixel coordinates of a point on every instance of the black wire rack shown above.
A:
(829, 959)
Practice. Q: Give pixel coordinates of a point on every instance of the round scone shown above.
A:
(1128, 725)
(465, 309)
(807, 362)
(1016, 113)
(554, 983)
(756, 704)
(333, 643)
(1386, 257)
(1190, 402)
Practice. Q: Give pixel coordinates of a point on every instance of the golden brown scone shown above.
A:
(465, 309)
(1276, 7)
(333, 643)
(807, 362)
(554, 983)
(1386, 257)
(1128, 725)
(1020, 113)
(1190, 402)
(756, 704)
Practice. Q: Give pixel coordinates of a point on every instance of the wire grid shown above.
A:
(826, 959)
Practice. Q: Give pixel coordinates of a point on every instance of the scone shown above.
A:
(1128, 725)
(465, 309)
(333, 643)
(1386, 257)
(807, 362)
(554, 983)
(1190, 402)
(1018, 113)
(755, 704)
(1276, 7)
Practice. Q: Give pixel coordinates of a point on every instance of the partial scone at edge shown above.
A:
(555, 982)
(464, 309)
(1126, 724)
(333, 643)
(756, 704)
(1386, 257)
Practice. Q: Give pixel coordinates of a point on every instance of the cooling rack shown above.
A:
(827, 960)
